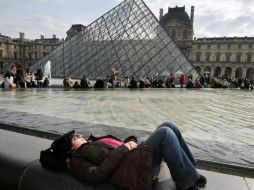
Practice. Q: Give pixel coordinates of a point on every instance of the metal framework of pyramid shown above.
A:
(128, 38)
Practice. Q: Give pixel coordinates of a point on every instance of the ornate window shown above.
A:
(249, 55)
(238, 57)
(198, 55)
(208, 54)
(218, 56)
(228, 54)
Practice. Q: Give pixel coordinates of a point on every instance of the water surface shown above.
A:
(218, 124)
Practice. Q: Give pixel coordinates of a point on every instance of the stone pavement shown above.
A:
(215, 181)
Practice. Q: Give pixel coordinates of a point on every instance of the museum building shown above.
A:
(219, 56)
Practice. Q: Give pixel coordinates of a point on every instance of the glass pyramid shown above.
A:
(128, 38)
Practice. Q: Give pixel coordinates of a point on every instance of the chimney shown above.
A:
(192, 14)
(54, 36)
(42, 37)
(22, 35)
(161, 13)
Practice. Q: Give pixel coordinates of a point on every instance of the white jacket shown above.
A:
(8, 81)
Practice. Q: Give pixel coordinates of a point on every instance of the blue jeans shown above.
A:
(168, 144)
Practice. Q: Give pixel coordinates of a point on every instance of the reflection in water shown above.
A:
(217, 123)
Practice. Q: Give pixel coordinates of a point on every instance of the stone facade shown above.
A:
(24, 52)
(232, 57)
(227, 56)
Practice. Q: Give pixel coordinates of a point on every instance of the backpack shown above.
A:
(39, 76)
(57, 155)
(50, 161)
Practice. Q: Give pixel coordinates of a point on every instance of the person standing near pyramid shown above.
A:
(113, 77)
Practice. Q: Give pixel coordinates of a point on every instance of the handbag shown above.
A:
(49, 160)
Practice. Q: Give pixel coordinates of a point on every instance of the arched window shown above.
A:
(207, 71)
(250, 74)
(198, 69)
(239, 72)
(198, 55)
(228, 72)
(217, 71)
(185, 34)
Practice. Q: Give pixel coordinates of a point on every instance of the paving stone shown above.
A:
(215, 181)
(218, 181)
(250, 183)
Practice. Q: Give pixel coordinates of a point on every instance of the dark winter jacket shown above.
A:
(98, 162)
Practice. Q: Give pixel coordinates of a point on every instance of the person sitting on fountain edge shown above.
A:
(127, 164)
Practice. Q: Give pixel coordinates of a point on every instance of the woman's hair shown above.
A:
(7, 74)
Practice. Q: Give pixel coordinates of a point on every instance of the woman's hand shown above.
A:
(131, 145)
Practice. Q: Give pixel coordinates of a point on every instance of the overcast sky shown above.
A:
(214, 18)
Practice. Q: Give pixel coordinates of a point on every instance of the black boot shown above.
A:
(201, 181)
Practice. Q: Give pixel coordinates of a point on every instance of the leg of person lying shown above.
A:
(168, 144)
(181, 140)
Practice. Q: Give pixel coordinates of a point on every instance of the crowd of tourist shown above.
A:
(18, 77)
(182, 81)
(68, 82)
